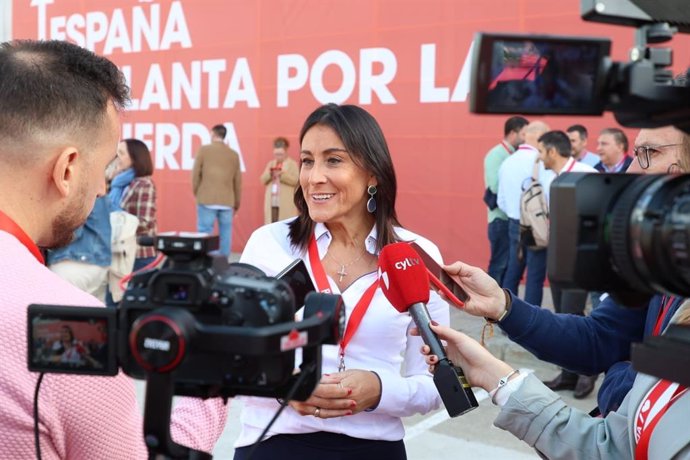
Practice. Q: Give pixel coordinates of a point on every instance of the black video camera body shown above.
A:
(219, 329)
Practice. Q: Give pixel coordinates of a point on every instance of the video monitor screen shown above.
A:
(74, 340)
(538, 75)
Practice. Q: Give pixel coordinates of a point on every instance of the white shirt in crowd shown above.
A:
(576, 166)
(591, 159)
(513, 176)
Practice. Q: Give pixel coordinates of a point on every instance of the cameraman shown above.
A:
(59, 128)
(601, 341)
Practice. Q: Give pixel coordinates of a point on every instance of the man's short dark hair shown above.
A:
(514, 124)
(581, 130)
(54, 88)
(220, 131)
(557, 140)
(618, 136)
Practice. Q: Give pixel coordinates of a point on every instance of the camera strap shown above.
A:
(323, 285)
(11, 227)
(654, 405)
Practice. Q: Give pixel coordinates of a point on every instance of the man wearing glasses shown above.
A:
(658, 149)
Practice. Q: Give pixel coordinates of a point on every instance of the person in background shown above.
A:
(60, 111)
(280, 178)
(85, 261)
(555, 152)
(612, 147)
(139, 198)
(499, 240)
(346, 202)
(578, 142)
(513, 174)
(217, 187)
(119, 175)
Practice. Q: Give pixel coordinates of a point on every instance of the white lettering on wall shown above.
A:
(370, 83)
(428, 91)
(293, 74)
(113, 31)
(173, 147)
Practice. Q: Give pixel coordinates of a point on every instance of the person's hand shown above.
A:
(485, 296)
(481, 368)
(341, 394)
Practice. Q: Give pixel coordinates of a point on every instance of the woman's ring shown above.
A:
(317, 411)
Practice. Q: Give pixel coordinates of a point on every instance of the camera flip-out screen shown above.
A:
(538, 74)
(74, 340)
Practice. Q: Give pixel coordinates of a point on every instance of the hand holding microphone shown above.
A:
(405, 283)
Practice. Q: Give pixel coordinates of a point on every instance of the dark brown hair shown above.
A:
(55, 87)
(364, 141)
(141, 157)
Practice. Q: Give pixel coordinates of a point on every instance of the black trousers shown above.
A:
(322, 445)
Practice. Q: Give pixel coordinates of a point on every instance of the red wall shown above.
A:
(437, 147)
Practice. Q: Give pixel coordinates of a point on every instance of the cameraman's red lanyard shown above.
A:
(9, 226)
(324, 286)
(653, 407)
(668, 301)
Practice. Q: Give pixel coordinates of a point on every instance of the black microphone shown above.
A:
(405, 283)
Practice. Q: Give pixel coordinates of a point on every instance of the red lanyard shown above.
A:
(13, 229)
(662, 314)
(653, 407)
(569, 167)
(324, 286)
(508, 149)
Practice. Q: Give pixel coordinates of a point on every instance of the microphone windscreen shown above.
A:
(403, 276)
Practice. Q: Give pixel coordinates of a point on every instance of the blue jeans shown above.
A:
(500, 245)
(206, 217)
(535, 260)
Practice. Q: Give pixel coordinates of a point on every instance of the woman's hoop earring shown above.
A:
(371, 202)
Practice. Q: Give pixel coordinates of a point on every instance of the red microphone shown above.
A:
(405, 283)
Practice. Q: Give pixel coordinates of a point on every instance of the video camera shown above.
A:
(199, 327)
(627, 235)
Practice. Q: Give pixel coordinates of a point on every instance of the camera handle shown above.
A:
(660, 57)
(157, 408)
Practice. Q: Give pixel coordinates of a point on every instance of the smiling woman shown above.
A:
(376, 375)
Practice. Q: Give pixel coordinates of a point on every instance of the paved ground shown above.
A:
(472, 435)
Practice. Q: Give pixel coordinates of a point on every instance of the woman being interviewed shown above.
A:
(346, 202)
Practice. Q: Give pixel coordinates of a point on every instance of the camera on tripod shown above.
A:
(627, 235)
(199, 327)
